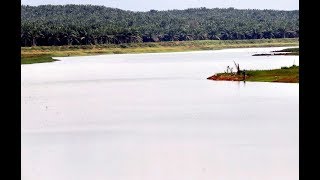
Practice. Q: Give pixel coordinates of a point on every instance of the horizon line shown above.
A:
(156, 9)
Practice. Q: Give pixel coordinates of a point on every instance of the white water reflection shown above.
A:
(155, 116)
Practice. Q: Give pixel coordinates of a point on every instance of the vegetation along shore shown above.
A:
(38, 54)
(58, 25)
(75, 30)
(284, 74)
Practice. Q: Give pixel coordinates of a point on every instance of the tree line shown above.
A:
(56, 25)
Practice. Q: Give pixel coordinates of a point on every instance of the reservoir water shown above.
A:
(156, 117)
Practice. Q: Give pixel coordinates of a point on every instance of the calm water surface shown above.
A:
(155, 116)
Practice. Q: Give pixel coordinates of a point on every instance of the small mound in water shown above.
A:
(227, 77)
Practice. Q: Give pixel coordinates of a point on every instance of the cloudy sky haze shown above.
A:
(146, 5)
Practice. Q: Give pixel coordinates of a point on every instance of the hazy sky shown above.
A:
(146, 5)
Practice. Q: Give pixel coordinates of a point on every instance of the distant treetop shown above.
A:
(88, 24)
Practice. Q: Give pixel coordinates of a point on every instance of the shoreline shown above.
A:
(283, 52)
(40, 54)
(283, 75)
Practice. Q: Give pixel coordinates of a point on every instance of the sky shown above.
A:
(146, 5)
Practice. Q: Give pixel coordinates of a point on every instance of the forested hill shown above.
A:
(87, 24)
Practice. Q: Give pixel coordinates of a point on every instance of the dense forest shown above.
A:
(48, 25)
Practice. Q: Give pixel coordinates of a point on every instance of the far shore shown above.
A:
(283, 52)
(40, 54)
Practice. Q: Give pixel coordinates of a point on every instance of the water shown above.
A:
(155, 116)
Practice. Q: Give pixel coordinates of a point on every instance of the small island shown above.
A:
(284, 75)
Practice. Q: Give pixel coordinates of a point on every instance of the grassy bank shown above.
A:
(285, 74)
(38, 54)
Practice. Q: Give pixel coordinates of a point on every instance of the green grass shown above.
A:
(37, 59)
(285, 74)
(39, 54)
